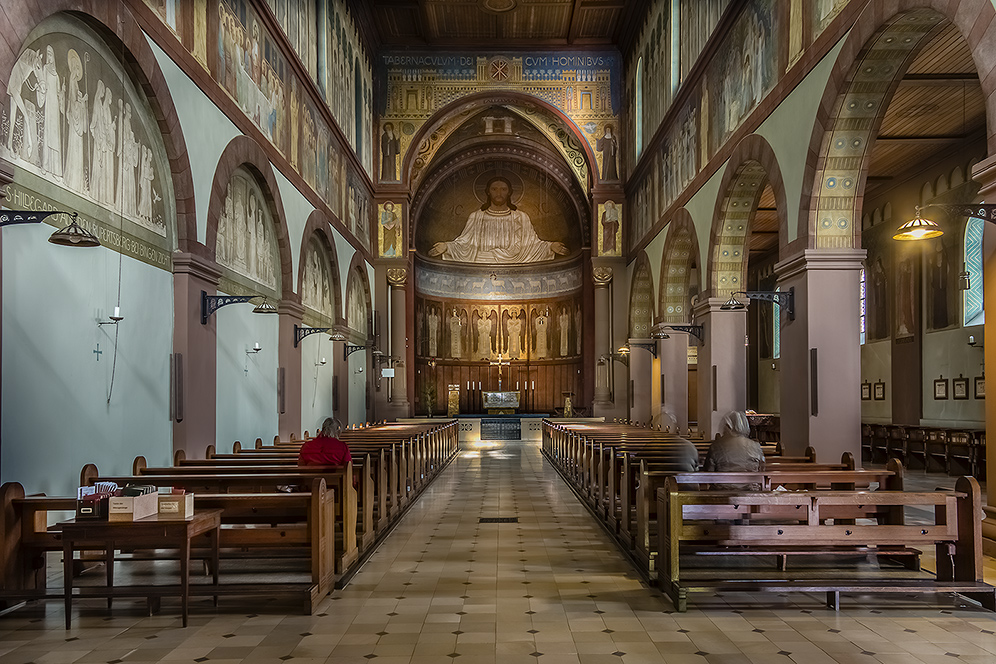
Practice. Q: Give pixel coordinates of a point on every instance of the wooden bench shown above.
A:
(824, 526)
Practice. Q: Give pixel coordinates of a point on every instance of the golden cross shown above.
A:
(499, 363)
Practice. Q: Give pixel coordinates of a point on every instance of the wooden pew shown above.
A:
(827, 525)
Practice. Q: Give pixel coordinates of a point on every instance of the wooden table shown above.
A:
(148, 533)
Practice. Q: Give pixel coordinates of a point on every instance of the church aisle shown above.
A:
(550, 589)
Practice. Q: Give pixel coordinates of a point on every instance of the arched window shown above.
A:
(638, 115)
(974, 312)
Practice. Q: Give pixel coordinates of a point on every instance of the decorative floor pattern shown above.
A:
(549, 589)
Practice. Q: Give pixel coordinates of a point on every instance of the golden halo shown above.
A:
(482, 181)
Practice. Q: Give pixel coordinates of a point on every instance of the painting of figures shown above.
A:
(245, 243)
(317, 292)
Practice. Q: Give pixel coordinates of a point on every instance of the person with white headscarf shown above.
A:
(734, 450)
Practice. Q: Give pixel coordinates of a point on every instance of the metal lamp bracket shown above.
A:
(301, 332)
(211, 303)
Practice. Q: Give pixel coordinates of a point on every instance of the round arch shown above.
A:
(318, 227)
(751, 166)
(117, 25)
(437, 129)
(680, 256)
(244, 151)
(883, 41)
(358, 270)
(641, 299)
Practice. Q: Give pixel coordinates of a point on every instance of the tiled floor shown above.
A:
(550, 589)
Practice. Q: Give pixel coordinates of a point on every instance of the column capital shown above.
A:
(984, 173)
(820, 259)
(602, 276)
(291, 308)
(397, 276)
(196, 266)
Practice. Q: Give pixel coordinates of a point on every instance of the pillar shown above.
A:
(289, 370)
(641, 369)
(722, 368)
(821, 353)
(195, 347)
(673, 353)
(602, 277)
(985, 173)
(397, 279)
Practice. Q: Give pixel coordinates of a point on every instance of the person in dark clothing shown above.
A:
(325, 449)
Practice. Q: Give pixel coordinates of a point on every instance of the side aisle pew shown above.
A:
(832, 530)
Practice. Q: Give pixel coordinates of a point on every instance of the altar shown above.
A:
(501, 403)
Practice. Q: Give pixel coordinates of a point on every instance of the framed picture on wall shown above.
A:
(880, 391)
(940, 389)
(866, 391)
(959, 388)
(980, 387)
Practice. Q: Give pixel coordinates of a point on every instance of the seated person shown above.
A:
(735, 451)
(325, 449)
(688, 454)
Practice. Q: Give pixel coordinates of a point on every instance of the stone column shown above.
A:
(397, 279)
(821, 353)
(984, 172)
(602, 276)
(722, 368)
(291, 313)
(673, 353)
(195, 356)
(641, 370)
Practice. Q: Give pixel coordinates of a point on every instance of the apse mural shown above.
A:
(389, 216)
(416, 85)
(84, 138)
(317, 292)
(498, 212)
(609, 229)
(246, 243)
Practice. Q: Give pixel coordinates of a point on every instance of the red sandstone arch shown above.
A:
(751, 167)
(318, 226)
(117, 25)
(974, 20)
(243, 151)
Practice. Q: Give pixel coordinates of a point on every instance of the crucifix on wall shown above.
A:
(499, 362)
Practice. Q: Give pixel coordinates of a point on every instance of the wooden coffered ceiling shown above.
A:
(499, 23)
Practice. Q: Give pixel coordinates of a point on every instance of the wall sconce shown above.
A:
(973, 344)
(255, 349)
(301, 332)
(348, 349)
(919, 228)
(115, 318)
(621, 355)
(784, 299)
(650, 348)
(696, 331)
(320, 363)
(211, 304)
(72, 235)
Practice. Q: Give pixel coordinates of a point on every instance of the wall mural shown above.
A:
(357, 307)
(168, 12)
(498, 212)
(318, 291)
(823, 12)
(474, 331)
(390, 217)
(246, 243)
(585, 87)
(358, 214)
(508, 283)
(84, 138)
(609, 228)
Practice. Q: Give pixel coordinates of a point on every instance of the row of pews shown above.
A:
(296, 532)
(844, 529)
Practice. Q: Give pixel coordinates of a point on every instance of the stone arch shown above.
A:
(358, 271)
(437, 129)
(751, 166)
(641, 299)
(883, 41)
(681, 254)
(244, 151)
(117, 26)
(318, 226)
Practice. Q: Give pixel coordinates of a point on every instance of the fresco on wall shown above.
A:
(744, 69)
(389, 229)
(252, 70)
(878, 268)
(359, 212)
(609, 228)
(168, 12)
(246, 243)
(318, 295)
(498, 212)
(586, 87)
(84, 138)
(823, 12)
(356, 305)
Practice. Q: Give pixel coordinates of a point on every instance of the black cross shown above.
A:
(98, 352)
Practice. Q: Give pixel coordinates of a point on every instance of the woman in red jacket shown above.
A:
(325, 449)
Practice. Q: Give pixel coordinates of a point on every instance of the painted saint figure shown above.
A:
(610, 228)
(498, 232)
(76, 121)
(455, 331)
(609, 147)
(564, 321)
(541, 326)
(390, 226)
(433, 324)
(514, 345)
(53, 99)
(390, 147)
(484, 336)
